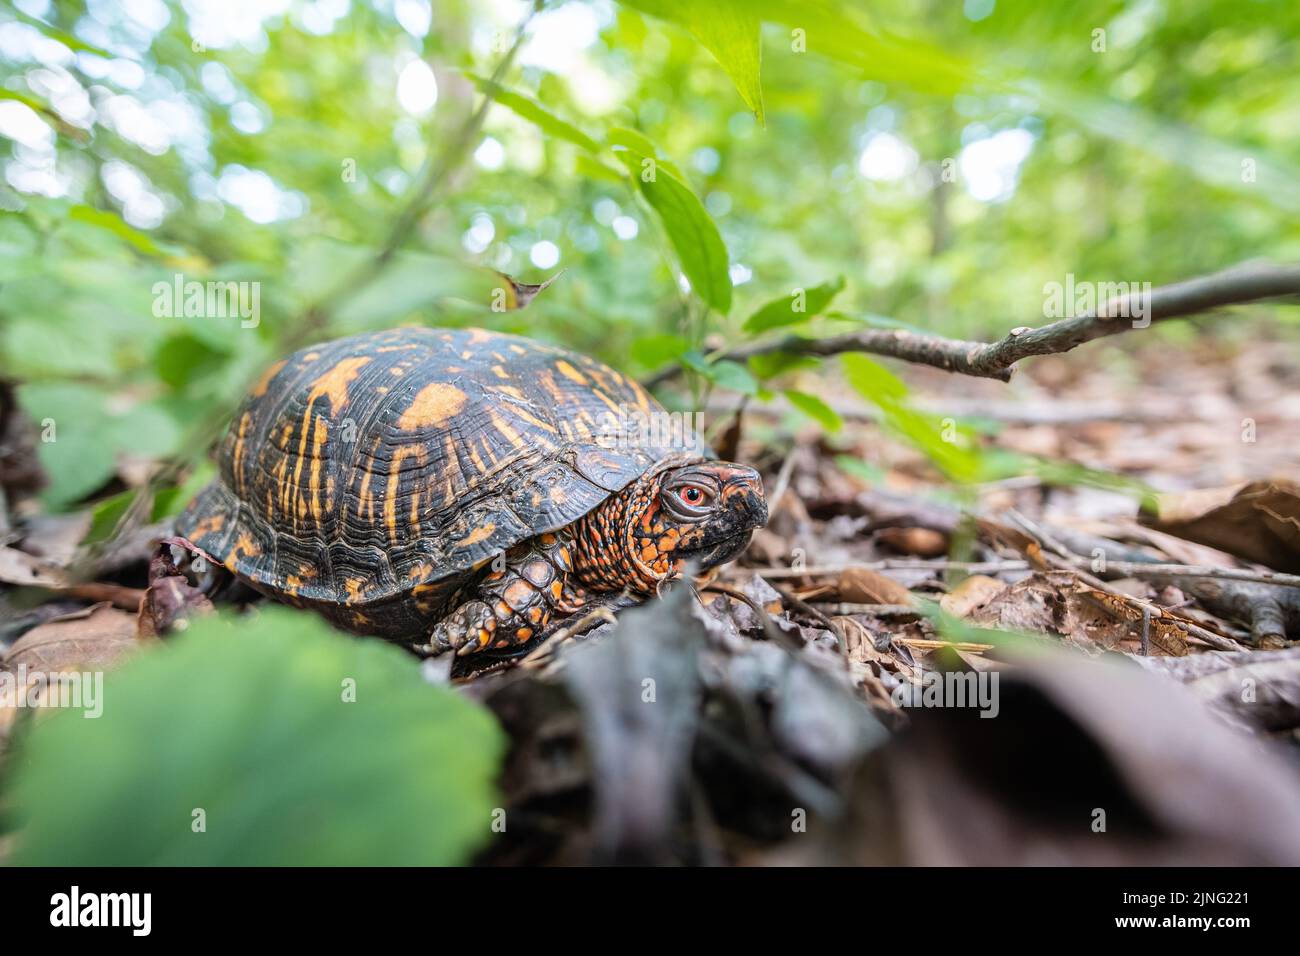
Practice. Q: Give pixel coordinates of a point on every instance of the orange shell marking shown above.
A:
(432, 405)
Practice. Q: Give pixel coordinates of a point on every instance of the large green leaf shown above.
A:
(81, 430)
(691, 230)
(730, 30)
(836, 29)
(291, 743)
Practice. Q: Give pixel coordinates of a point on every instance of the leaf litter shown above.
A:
(776, 713)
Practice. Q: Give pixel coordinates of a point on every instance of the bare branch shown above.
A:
(1240, 284)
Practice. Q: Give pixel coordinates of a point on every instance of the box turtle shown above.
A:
(462, 490)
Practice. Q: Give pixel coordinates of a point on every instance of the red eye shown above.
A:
(691, 495)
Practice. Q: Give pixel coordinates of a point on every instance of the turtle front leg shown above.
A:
(536, 589)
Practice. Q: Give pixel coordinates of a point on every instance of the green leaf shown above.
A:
(831, 28)
(950, 447)
(166, 502)
(771, 364)
(871, 379)
(620, 137)
(857, 468)
(593, 168)
(730, 30)
(182, 358)
(106, 514)
(725, 373)
(816, 409)
(535, 113)
(690, 228)
(298, 744)
(796, 308)
(173, 499)
(76, 450)
(655, 350)
(110, 221)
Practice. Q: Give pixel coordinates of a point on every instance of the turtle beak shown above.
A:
(744, 508)
(724, 551)
(742, 496)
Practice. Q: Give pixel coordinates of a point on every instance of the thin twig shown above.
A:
(888, 564)
(774, 633)
(799, 604)
(925, 644)
(602, 615)
(782, 481)
(845, 608)
(1136, 569)
(1240, 284)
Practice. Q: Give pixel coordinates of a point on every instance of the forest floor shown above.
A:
(901, 671)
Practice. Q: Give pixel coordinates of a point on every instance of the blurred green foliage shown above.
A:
(275, 742)
(946, 158)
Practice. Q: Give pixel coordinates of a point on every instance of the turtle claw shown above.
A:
(466, 630)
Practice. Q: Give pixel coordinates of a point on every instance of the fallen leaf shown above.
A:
(1258, 521)
(1075, 744)
(864, 586)
(975, 592)
(1249, 689)
(922, 542)
(94, 638)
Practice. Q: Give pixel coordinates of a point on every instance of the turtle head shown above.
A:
(683, 510)
(708, 510)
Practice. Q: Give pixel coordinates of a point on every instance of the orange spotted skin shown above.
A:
(629, 545)
(375, 479)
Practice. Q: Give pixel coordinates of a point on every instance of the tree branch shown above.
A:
(1240, 284)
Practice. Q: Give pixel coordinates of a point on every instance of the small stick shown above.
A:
(844, 609)
(583, 624)
(774, 633)
(888, 564)
(931, 645)
(782, 481)
(807, 608)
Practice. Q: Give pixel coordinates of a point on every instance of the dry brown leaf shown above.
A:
(94, 638)
(1258, 521)
(975, 592)
(25, 570)
(1038, 604)
(1075, 743)
(864, 586)
(922, 542)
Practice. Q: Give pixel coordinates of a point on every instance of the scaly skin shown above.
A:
(635, 541)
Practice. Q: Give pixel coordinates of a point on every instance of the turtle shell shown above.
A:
(370, 476)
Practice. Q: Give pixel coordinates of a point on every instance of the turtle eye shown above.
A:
(692, 495)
